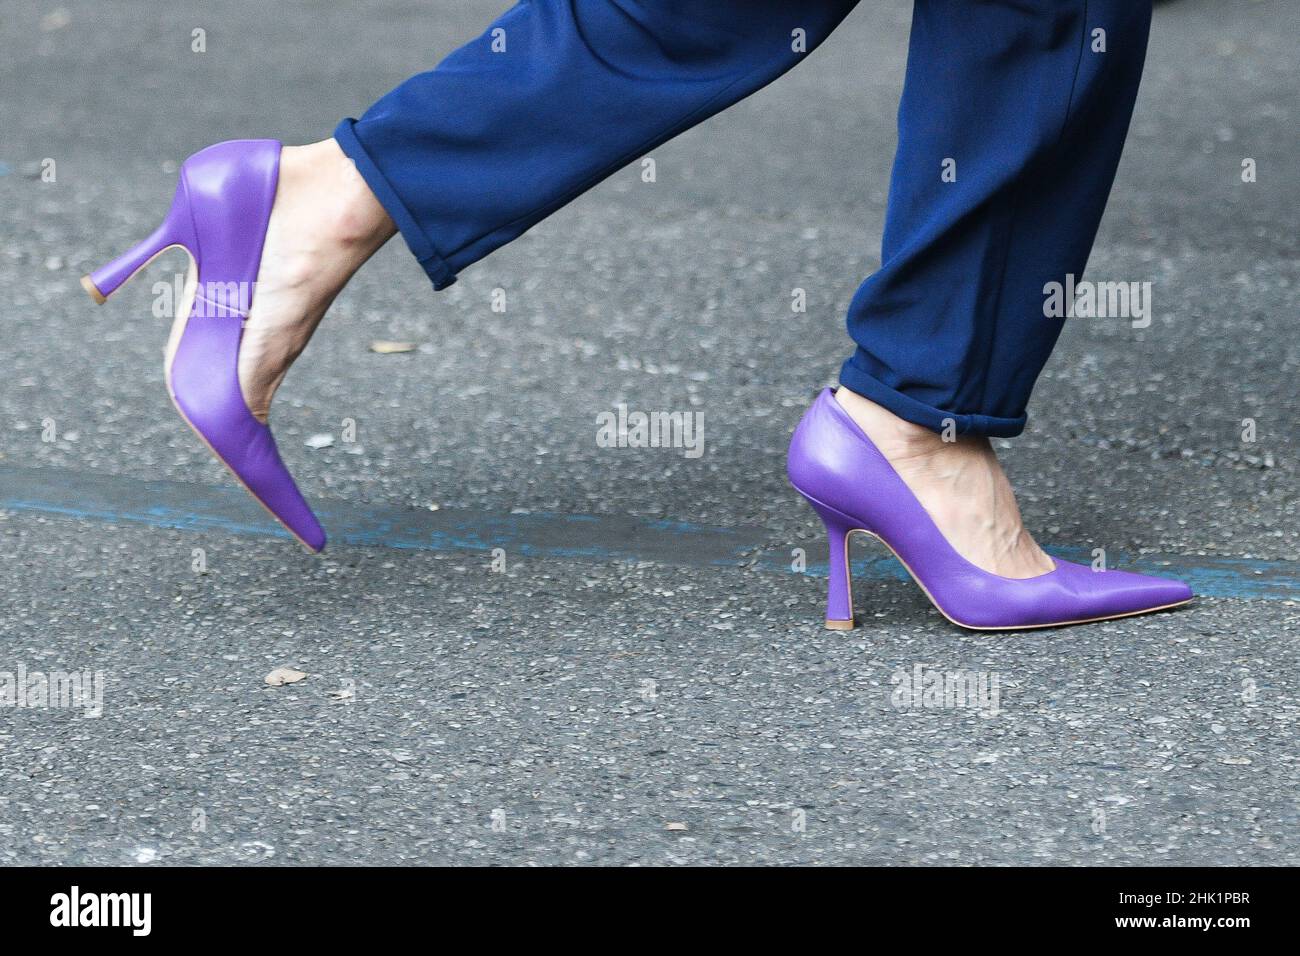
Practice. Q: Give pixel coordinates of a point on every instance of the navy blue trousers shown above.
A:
(1012, 120)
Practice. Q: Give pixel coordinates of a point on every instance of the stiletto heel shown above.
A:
(853, 487)
(219, 216)
(839, 578)
(175, 230)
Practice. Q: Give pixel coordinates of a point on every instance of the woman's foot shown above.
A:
(324, 225)
(960, 484)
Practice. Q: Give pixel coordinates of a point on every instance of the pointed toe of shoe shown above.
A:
(1073, 594)
(1142, 592)
(247, 447)
(312, 538)
(251, 453)
(1174, 591)
(1104, 594)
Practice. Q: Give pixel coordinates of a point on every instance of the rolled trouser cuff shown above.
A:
(927, 416)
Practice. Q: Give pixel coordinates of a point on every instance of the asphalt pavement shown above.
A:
(523, 647)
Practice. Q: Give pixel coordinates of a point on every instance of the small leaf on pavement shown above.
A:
(284, 675)
(384, 347)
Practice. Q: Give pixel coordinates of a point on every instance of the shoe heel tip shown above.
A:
(832, 625)
(93, 291)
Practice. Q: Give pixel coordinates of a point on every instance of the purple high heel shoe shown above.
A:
(219, 216)
(853, 487)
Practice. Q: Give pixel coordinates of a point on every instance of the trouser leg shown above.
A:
(552, 98)
(1010, 130)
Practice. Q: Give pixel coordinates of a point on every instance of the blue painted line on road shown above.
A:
(89, 496)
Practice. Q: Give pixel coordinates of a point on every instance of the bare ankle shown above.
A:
(344, 210)
(893, 435)
(959, 483)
